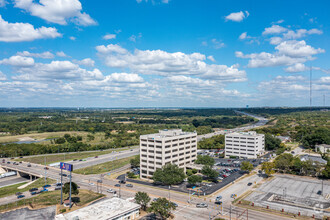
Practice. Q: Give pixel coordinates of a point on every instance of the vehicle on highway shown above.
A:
(33, 189)
(29, 165)
(201, 205)
(129, 185)
(46, 168)
(110, 190)
(92, 184)
(249, 184)
(122, 181)
(117, 185)
(46, 186)
(218, 198)
(8, 162)
(218, 202)
(20, 196)
(80, 160)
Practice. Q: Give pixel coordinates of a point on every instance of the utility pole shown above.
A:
(169, 193)
(322, 188)
(45, 171)
(61, 186)
(230, 212)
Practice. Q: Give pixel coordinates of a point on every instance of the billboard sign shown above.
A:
(66, 166)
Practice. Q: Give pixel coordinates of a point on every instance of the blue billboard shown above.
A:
(66, 166)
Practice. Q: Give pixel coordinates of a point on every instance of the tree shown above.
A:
(326, 172)
(130, 174)
(271, 142)
(268, 168)
(142, 199)
(209, 172)
(74, 188)
(66, 136)
(283, 161)
(162, 207)
(189, 172)
(205, 160)
(60, 140)
(246, 166)
(135, 162)
(170, 174)
(194, 179)
(90, 137)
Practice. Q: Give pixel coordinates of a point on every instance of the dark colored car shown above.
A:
(129, 185)
(249, 184)
(117, 185)
(46, 186)
(33, 189)
(122, 181)
(319, 192)
(18, 193)
(29, 165)
(46, 168)
(20, 196)
(34, 193)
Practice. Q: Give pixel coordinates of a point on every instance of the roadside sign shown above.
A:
(66, 166)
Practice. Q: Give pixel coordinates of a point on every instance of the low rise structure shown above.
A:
(244, 144)
(314, 159)
(167, 146)
(109, 209)
(323, 148)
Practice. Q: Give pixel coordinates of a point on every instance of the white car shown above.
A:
(110, 190)
(92, 184)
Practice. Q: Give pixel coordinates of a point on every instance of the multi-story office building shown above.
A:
(244, 144)
(167, 146)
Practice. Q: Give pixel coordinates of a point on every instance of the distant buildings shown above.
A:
(284, 139)
(167, 146)
(244, 144)
(323, 148)
(109, 209)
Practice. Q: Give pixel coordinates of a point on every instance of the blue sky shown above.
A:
(175, 53)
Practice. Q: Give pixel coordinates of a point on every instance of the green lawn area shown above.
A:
(104, 167)
(10, 190)
(60, 158)
(51, 198)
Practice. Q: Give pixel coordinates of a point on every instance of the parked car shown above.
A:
(43, 190)
(122, 181)
(249, 184)
(8, 162)
(33, 193)
(58, 188)
(20, 196)
(319, 192)
(18, 193)
(117, 185)
(201, 205)
(29, 165)
(233, 196)
(110, 190)
(96, 156)
(218, 198)
(46, 186)
(46, 168)
(218, 202)
(92, 184)
(129, 185)
(33, 189)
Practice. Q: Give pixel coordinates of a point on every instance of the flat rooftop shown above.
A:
(167, 133)
(245, 134)
(106, 209)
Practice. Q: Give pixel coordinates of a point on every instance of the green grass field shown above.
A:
(65, 157)
(51, 198)
(104, 167)
(11, 190)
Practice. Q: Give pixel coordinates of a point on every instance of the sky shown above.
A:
(164, 53)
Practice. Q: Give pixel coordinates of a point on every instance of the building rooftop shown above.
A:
(249, 133)
(313, 158)
(323, 145)
(106, 209)
(167, 133)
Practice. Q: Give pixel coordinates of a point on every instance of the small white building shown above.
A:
(323, 148)
(167, 146)
(244, 144)
(109, 209)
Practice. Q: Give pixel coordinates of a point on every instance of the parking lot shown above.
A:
(294, 194)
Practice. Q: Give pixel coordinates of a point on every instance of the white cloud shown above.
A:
(237, 16)
(158, 62)
(2, 3)
(85, 62)
(133, 38)
(2, 76)
(275, 40)
(44, 55)
(17, 32)
(301, 33)
(298, 67)
(125, 78)
(109, 36)
(72, 38)
(288, 53)
(217, 44)
(297, 49)
(57, 11)
(243, 36)
(274, 29)
(18, 61)
(211, 58)
(61, 54)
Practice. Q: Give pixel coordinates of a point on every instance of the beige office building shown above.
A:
(244, 144)
(167, 146)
